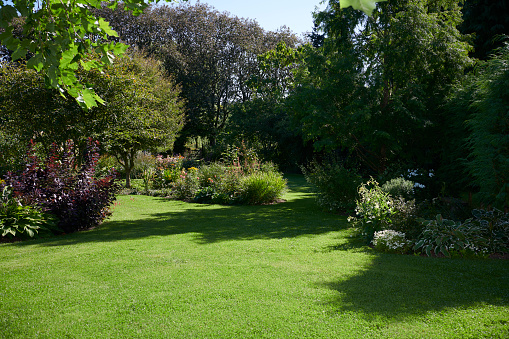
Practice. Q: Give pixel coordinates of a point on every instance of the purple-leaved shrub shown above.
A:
(64, 188)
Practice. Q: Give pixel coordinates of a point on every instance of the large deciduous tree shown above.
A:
(212, 55)
(145, 107)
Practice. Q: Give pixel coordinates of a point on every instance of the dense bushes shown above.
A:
(65, 188)
(262, 187)
(335, 185)
(392, 225)
(240, 178)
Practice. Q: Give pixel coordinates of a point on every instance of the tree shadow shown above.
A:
(297, 217)
(398, 286)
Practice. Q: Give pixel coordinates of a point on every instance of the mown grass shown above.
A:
(169, 269)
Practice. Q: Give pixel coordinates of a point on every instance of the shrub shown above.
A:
(75, 197)
(405, 218)
(335, 185)
(168, 171)
(493, 229)
(391, 241)
(262, 187)
(228, 186)
(375, 209)
(20, 221)
(244, 157)
(187, 185)
(399, 187)
(210, 175)
(105, 165)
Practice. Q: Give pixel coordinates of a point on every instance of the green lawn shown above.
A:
(169, 269)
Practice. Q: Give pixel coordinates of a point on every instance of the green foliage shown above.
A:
(105, 165)
(486, 233)
(143, 111)
(488, 141)
(168, 171)
(493, 227)
(21, 221)
(442, 236)
(146, 164)
(399, 187)
(147, 108)
(390, 241)
(367, 6)
(262, 188)
(335, 185)
(219, 183)
(212, 54)
(374, 209)
(187, 185)
(406, 217)
(57, 38)
(376, 85)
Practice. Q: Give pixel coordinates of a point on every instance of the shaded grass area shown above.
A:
(162, 269)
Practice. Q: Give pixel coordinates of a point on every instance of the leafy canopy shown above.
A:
(59, 35)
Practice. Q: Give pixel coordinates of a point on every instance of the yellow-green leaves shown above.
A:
(367, 6)
(59, 35)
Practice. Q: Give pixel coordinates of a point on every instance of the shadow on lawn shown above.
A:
(396, 286)
(293, 218)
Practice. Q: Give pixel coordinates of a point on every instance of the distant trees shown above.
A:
(212, 56)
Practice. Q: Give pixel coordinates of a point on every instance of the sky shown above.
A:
(271, 14)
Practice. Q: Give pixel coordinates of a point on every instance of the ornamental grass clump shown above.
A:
(262, 188)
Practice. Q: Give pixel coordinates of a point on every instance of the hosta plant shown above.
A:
(17, 220)
(443, 236)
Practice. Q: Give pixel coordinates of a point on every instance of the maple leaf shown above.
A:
(367, 6)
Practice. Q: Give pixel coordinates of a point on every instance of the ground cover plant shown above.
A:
(160, 268)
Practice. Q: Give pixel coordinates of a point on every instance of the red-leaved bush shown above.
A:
(59, 187)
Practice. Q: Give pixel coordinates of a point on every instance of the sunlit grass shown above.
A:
(169, 269)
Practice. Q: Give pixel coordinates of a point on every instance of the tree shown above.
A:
(376, 85)
(142, 110)
(489, 21)
(212, 55)
(59, 35)
(146, 108)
